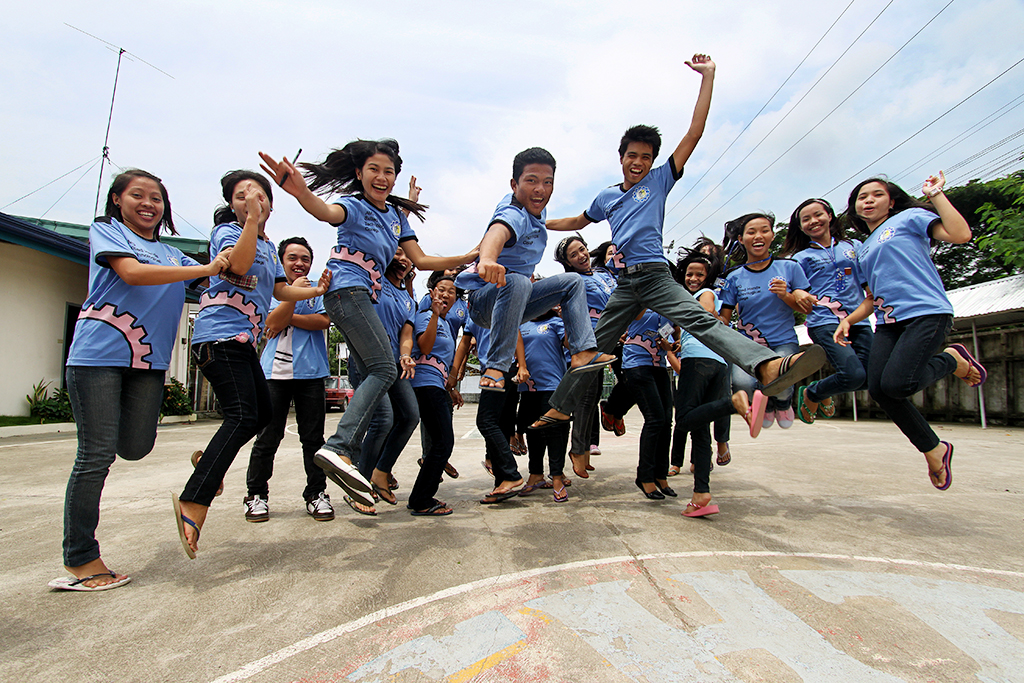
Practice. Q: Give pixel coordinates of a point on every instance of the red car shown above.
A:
(338, 392)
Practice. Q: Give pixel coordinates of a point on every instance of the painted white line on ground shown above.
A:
(34, 443)
(260, 665)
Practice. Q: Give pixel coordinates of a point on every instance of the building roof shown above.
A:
(197, 249)
(27, 234)
(996, 302)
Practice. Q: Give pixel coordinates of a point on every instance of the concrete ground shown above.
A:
(833, 559)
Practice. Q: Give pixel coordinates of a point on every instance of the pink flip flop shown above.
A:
(700, 510)
(756, 413)
(962, 350)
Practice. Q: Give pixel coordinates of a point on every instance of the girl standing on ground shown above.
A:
(913, 314)
(763, 293)
(370, 226)
(229, 324)
(829, 260)
(122, 347)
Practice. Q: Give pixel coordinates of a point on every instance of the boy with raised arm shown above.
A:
(636, 211)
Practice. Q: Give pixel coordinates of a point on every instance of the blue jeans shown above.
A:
(741, 381)
(392, 426)
(352, 312)
(504, 309)
(850, 362)
(233, 370)
(309, 416)
(653, 287)
(652, 389)
(116, 410)
(907, 357)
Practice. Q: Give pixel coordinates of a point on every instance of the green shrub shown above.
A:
(56, 408)
(175, 399)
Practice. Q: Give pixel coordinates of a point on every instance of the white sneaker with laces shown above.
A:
(257, 509)
(320, 508)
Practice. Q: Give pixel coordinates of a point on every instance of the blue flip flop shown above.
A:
(594, 364)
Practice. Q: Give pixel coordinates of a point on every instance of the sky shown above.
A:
(809, 98)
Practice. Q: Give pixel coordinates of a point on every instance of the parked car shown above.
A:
(338, 392)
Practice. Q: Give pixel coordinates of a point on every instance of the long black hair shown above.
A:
(225, 214)
(797, 240)
(562, 251)
(712, 264)
(600, 255)
(337, 173)
(734, 249)
(901, 202)
(121, 183)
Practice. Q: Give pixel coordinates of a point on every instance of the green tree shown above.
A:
(334, 337)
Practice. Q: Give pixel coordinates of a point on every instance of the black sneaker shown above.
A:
(320, 508)
(256, 509)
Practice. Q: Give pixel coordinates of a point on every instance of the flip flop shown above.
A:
(181, 521)
(70, 583)
(545, 422)
(962, 350)
(581, 475)
(794, 368)
(492, 498)
(947, 460)
(344, 475)
(673, 471)
(352, 504)
(756, 413)
(699, 510)
(438, 509)
(495, 385)
(594, 364)
(392, 482)
(383, 495)
(530, 488)
(561, 495)
(724, 459)
(827, 410)
(195, 461)
(801, 407)
(450, 470)
(490, 470)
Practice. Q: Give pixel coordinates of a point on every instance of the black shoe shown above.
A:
(651, 495)
(668, 491)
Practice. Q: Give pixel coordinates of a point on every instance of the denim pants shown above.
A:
(504, 309)
(583, 425)
(652, 389)
(233, 370)
(553, 440)
(701, 398)
(353, 313)
(438, 421)
(907, 357)
(741, 381)
(488, 423)
(381, 451)
(308, 395)
(653, 288)
(850, 362)
(116, 411)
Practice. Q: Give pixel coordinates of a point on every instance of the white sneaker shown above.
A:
(257, 509)
(320, 508)
(344, 475)
(594, 450)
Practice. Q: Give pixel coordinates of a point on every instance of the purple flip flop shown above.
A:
(962, 350)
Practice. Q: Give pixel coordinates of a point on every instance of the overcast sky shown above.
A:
(464, 86)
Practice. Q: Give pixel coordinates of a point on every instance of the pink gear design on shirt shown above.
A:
(363, 261)
(752, 332)
(835, 306)
(885, 310)
(237, 302)
(530, 385)
(125, 324)
(595, 314)
(434, 362)
(647, 345)
(616, 258)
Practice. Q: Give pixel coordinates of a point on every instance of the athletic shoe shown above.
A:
(256, 509)
(594, 450)
(320, 508)
(344, 475)
(769, 418)
(785, 418)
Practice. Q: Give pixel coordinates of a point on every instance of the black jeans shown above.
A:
(702, 397)
(437, 420)
(533, 404)
(308, 395)
(652, 390)
(905, 358)
(488, 423)
(233, 370)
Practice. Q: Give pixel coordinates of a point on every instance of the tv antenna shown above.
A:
(121, 52)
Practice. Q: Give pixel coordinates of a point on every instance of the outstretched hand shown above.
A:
(414, 190)
(933, 186)
(285, 174)
(324, 283)
(701, 63)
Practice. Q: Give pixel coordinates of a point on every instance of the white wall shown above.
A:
(36, 290)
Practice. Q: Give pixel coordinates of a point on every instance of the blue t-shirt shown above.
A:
(895, 263)
(545, 353)
(834, 279)
(432, 369)
(296, 353)
(227, 310)
(395, 309)
(637, 216)
(641, 346)
(689, 346)
(599, 285)
(483, 340)
(760, 313)
(456, 318)
(121, 325)
(524, 248)
(367, 241)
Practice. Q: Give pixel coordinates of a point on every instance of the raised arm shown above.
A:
(300, 290)
(288, 177)
(425, 262)
(953, 228)
(568, 224)
(243, 252)
(703, 65)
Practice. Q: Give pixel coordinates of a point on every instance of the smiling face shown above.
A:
(578, 257)
(534, 187)
(141, 205)
(636, 163)
(296, 262)
(816, 222)
(378, 178)
(695, 276)
(873, 204)
(757, 238)
(444, 291)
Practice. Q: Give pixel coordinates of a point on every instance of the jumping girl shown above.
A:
(913, 314)
(122, 347)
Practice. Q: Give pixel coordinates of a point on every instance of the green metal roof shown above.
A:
(197, 249)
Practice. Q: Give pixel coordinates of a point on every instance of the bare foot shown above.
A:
(197, 513)
(964, 370)
(554, 415)
(936, 470)
(91, 568)
(506, 486)
(741, 405)
(584, 357)
(381, 487)
(579, 465)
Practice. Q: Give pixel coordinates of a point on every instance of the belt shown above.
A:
(651, 265)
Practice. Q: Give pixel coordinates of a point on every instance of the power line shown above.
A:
(91, 161)
(769, 100)
(69, 189)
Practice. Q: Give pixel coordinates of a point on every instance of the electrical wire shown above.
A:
(91, 161)
(69, 189)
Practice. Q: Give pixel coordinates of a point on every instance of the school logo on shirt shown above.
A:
(887, 234)
(173, 260)
(851, 254)
(396, 228)
(542, 329)
(462, 313)
(641, 194)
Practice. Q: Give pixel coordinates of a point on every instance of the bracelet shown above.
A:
(405, 355)
(933, 193)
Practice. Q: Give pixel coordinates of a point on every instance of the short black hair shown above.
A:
(534, 155)
(438, 276)
(293, 240)
(648, 134)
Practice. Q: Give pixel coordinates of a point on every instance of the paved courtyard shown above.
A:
(833, 559)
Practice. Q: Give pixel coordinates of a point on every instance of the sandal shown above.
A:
(673, 471)
(561, 495)
(370, 512)
(802, 412)
(438, 509)
(694, 510)
(724, 459)
(530, 488)
(382, 494)
(827, 410)
(581, 474)
(794, 368)
(494, 383)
